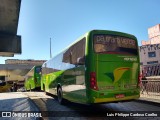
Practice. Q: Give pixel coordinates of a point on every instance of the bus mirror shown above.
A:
(80, 61)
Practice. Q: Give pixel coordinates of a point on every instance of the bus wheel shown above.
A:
(59, 94)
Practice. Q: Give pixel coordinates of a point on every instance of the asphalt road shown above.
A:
(52, 110)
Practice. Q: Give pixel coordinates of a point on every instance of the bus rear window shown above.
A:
(108, 44)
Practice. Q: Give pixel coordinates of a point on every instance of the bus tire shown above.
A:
(60, 96)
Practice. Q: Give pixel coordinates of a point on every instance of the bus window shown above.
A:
(74, 52)
(38, 70)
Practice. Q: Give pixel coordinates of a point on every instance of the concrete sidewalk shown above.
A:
(16, 101)
(150, 98)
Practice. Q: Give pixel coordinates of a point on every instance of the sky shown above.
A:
(66, 20)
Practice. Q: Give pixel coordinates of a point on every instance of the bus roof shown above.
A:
(90, 32)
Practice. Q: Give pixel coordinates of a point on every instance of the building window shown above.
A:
(141, 63)
(152, 62)
(151, 54)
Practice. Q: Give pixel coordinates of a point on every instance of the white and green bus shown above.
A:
(101, 66)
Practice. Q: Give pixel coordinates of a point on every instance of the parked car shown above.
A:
(22, 89)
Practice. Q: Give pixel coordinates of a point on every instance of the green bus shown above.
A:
(33, 79)
(101, 66)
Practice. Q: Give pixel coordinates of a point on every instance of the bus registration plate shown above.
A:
(120, 96)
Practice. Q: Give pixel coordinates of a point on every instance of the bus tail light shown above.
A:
(93, 81)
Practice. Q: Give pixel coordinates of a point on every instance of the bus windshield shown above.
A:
(109, 44)
(38, 69)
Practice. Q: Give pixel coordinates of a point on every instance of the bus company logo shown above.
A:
(130, 59)
(117, 73)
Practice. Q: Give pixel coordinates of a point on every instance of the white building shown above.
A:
(149, 54)
(153, 35)
(150, 50)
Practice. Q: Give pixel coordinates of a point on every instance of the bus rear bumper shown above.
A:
(106, 100)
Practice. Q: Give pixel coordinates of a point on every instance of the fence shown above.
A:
(151, 70)
(150, 88)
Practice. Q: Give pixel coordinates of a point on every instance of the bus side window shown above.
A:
(78, 52)
(74, 52)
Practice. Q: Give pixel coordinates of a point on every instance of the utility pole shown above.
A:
(50, 49)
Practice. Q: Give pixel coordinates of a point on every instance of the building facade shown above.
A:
(150, 50)
(153, 35)
(150, 53)
(15, 69)
(24, 62)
